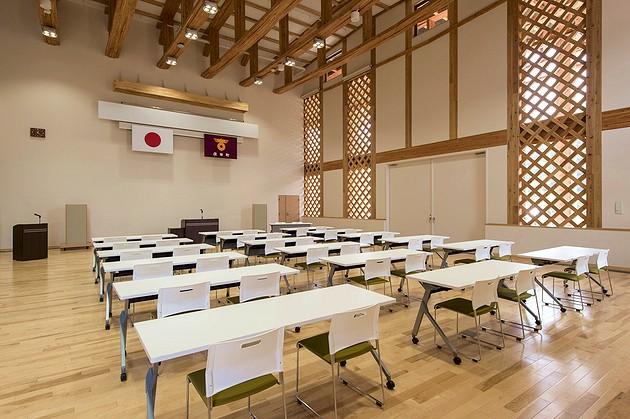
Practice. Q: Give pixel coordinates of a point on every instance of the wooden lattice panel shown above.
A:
(312, 156)
(359, 149)
(552, 94)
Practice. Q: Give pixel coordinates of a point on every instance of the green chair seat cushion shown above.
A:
(567, 276)
(316, 265)
(318, 345)
(464, 306)
(507, 258)
(464, 261)
(402, 274)
(231, 394)
(373, 281)
(236, 299)
(270, 255)
(592, 268)
(510, 294)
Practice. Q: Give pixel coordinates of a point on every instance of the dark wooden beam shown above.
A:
(239, 18)
(49, 19)
(121, 20)
(225, 11)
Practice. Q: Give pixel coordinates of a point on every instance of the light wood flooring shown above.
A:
(58, 361)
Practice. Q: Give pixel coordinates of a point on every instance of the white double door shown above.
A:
(444, 196)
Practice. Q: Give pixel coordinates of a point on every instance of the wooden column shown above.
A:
(512, 105)
(453, 69)
(408, 77)
(594, 112)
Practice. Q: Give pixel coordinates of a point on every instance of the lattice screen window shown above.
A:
(313, 156)
(359, 151)
(552, 178)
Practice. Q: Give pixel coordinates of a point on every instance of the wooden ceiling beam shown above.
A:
(420, 14)
(277, 11)
(121, 20)
(169, 10)
(340, 16)
(225, 11)
(49, 19)
(196, 18)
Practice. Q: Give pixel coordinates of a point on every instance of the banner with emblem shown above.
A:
(219, 146)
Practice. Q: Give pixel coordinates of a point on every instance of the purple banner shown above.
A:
(219, 146)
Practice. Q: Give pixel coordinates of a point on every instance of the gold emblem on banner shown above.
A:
(221, 142)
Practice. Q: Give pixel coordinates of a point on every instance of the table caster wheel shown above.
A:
(538, 322)
(519, 339)
(345, 383)
(589, 305)
(100, 299)
(390, 385)
(578, 310)
(297, 329)
(475, 360)
(107, 327)
(492, 313)
(499, 348)
(547, 304)
(415, 340)
(343, 363)
(457, 360)
(399, 289)
(123, 376)
(439, 346)
(379, 404)
(563, 310)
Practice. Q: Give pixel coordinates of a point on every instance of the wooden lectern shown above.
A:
(30, 241)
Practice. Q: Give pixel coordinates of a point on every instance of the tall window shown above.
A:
(313, 156)
(359, 161)
(550, 121)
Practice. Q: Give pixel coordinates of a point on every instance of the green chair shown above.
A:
(524, 289)
(351, 335)
(257, 287)
(376, 272)
(481, 253)
(574, 274)
(271, 252)
(484, 301)
(414, 263)
(312, 263)
(239, 369)
(504, 253)
(435, 244)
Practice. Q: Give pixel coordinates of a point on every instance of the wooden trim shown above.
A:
(121, 20)
(453, 68)
(344, 153)
(49, 19)
(164, 93)
(616, 118)
(512, 115)
(621, 230)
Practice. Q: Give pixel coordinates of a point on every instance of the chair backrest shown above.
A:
(271, 245)
(330, 235)
(125, 245)
(234, 362)
(351, 230)
(482, 253)
(242, 238)
(275, 235)
(313, 254)
(387, 235)
(183, 299)
(259, 286)
(114, 239)
(350, 248)
(212, 263)
(301, 232)
(416, 262)
(436, 242)
(581, 265)
(505, 249)
(602, 259)
(485, 293)
(151, 237)
(301, 241)
(352, 327)
(377, 267)
(136, 254)
(152, 270)
(414, 244)
(525, 281)
(167, 242)
(366, 238)
(186, 250)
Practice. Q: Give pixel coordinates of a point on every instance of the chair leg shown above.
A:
(187, 398)
(610, 287)
(209, 407)
(520, 312)
(380, 368)
(334, 385)
(501, 325)
(284, 399)
(478, 338)
(408, 293)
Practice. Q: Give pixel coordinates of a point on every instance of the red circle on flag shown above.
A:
(152, 139)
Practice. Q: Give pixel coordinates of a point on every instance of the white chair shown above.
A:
(352, 334)
(349, 248)
(136, 254)
(271, 246)
(255, 287)
(505, 252)
(435, 244)
(114, 239)
(125, 245)
(301, 232)
(313, 256)
(275, 235)
(186, 250)
(574, 274)
(524, 289)
(250, 231)
(212, 263)
(481, 253)
(602, 266)
(238, 369)
(377, 271)
(243, 238)
(150, 270)
(151, 237)
(330, 235)
(485, 300)
(414, 263)
(167, 242)
(351, 230)
(303, 241)
(366, 238)
(414, 244)
(183, 299)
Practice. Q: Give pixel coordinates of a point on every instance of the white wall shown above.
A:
(87, 160)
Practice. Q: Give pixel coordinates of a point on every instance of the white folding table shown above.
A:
(467, 247)
(399, 241)
(355, 237)
(257, 247)
(292, 231)
(135, 237)
(320, 232)
(229, 241)
(210, 237)
(278, 226)
(458, 277)
(289, 252)
(173, 337)
(358, 260)
(129, 291)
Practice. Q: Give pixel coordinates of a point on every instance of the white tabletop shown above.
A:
(358, 235)
(295, 250)
(136, 237)
(236, 237)
(176, 336)
(135, 289)
(463, 276)
(473, 244)
(230, 232)
(262, 242)
(337, 230)
(127, 265)
(308, 228)
(153, 250)
(280, 223)
(360, 258)
(141, 242)
(561, 253)
(406, 239)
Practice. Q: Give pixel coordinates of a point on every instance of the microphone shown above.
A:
(39, 216)
(201, 210)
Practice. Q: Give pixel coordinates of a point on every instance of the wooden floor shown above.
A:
(58, 361)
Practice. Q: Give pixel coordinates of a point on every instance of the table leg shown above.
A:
(124, 315)
(94, 264)
(390, 383)
(286, 281)
(331, 273)
(108, 305)
(549, 293)
(444, 258)
(101, 284)
(533, 314)
(150, 387)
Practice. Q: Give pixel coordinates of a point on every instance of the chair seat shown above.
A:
(593, 269)
(510, 294)
(318, 345)
(373, 281)
(463, 306)
(316, 265)
(236, 299)
(465, 261)
(402, 274)
(567, 276)
(231, 394)
(506, 258)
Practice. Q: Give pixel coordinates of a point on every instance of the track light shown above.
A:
(355, 16)
(49, 31)
(191, 34)
(258, 81)
(289, 62)
(210, 7)
(171, 60)
(46, 5)
(319, 43)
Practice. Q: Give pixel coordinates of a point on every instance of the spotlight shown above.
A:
(210, 7)
(171, 60)
(191, 34)
(280, 67)
(258, 81)
(289, 62)
(355, 16)
(49, 32)
(319, 43)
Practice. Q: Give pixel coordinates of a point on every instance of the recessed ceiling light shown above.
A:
(191, 34)
(210, 7)
(319, 43)
(289, 62)
(258, 81)
(171, 60)
(49, 31)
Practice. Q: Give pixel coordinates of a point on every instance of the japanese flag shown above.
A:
(151, 139)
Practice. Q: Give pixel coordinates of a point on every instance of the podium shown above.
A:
(191, 227)
(30, 241)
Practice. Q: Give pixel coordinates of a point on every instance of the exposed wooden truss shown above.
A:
(196, 17)
(50, 20)
(121, 14)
